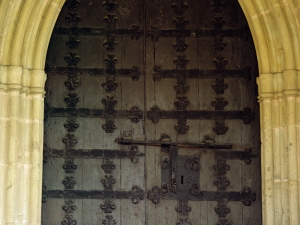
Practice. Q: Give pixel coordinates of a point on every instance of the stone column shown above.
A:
(280, 118)
(21, 144)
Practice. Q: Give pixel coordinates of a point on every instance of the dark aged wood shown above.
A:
(122, 74)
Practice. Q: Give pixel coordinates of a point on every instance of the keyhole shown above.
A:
(181, 179)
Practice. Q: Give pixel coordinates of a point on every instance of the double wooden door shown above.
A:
(151, 115)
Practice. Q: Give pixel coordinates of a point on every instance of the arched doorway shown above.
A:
(164, 76)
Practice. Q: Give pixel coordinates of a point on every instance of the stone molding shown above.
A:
(26, 27)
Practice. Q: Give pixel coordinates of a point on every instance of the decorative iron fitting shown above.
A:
(219, 103)
(248, 197)
(244, 155)
(135, 73)
(181, 88)
(72, 59)
(180, 45)
(108, 181)
(184, 221)
(218, 22)
(110, 85)
(69, 165)
(181, 62)
(70, 141)
(217, 6)
(223, 222)
(195, 190)
(220, 128)
(219, 86)
(182, 208)
(110, 5)
(69, 182)
(221, 167)
(154, 114)
(71, 125)
(181, 103)
(133, 153)
(110, 61)
(247, 115)
(154, 195)
(69, 220)
(71, 100)
(154, 33)
(108, 166)
(180, 22)
(110, 43)
(218, 44)
(222, 210)
(220, 62)
(222, 183)
(73, 42)
(181, 126)
(137, 194)
(72, 82)
(69, 207)
(72, 4)
(109, 103)
(165, 164)
(135, 114)
(195, 164)
(109, 126)
(108, 206)
(135, 30)
(110, 21)
(179, 7)
(73, 19)
(109, 220)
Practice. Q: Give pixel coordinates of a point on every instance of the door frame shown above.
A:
(26, 27)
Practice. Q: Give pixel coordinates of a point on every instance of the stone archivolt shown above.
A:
(26, 27)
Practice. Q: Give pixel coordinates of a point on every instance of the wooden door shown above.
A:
(151, 115)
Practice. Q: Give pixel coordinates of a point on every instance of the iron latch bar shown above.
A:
(168, 143)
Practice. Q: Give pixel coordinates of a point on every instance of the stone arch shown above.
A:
(25, 30)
